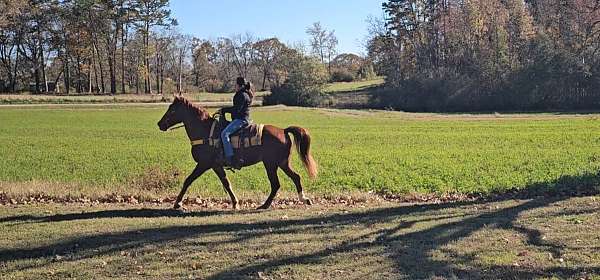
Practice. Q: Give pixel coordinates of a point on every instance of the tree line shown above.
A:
(463, 55)
(134, 46)
(435, 55)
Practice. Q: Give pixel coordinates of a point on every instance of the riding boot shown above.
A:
(234, 162)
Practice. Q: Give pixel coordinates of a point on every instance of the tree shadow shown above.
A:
(416, 246)
(127, 213)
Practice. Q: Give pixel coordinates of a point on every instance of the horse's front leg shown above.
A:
(227, 185)
(198, 171)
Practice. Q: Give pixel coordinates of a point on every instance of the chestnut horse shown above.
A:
(275, 151)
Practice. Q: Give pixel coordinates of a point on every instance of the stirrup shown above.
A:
(233, 163)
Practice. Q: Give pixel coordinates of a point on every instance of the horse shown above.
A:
(275, 151)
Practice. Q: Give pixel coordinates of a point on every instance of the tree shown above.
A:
(304, 85)
(151, 13)
(242, 48)
(204, 68)
(323, 42)
(348, 62)
(488, 55)
(268, 52)
(10, 39)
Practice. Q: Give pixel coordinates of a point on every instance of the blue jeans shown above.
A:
(234, 126)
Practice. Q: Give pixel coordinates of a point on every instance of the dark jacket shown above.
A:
(241, 106)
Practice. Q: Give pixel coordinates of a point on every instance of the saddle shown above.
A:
(247, 136)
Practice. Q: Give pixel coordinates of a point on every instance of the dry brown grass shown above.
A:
(545, 237)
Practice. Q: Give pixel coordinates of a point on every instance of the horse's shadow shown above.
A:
(400, 246)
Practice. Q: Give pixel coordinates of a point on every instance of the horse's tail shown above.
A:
(302, 141)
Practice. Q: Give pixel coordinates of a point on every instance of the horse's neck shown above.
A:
(197, 129)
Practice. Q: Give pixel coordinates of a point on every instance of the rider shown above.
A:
(240, 115)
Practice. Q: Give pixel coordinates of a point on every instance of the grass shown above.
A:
(353, 86)
(542, 238)
(89, 150)
(102, 150)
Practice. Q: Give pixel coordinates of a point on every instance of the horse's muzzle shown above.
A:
(162, 127)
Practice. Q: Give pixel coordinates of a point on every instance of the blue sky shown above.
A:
(285, 19)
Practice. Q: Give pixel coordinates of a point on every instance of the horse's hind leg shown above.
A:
(287, 168)
(198, 171)
(274, 179)
(227, 185)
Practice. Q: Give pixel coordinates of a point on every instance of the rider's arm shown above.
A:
(227, 110)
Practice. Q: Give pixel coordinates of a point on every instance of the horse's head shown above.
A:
(174, 115)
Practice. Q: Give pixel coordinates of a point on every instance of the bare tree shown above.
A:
(323, 43)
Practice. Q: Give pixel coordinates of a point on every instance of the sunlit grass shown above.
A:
(353, 86)
(357, 150)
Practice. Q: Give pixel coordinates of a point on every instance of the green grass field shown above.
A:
(107, 150)
(93, 149)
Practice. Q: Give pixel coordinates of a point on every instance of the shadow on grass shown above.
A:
(411, 253)
(129, 213)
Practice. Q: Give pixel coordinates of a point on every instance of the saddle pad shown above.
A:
(249, 136)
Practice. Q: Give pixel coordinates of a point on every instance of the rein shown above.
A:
(176, 127)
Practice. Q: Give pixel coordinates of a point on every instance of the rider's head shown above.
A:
(242, 84)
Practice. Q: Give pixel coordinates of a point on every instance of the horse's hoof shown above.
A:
(308, 202)
(235, 206)
(263, 207)
(177, 206)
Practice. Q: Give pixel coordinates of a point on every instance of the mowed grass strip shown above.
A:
(547, 238)
(362, 151)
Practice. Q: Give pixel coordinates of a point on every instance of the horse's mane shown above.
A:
(203, 114)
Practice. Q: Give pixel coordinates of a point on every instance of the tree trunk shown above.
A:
(66, 69)
(79, 83)
(147, 83)
(123, 43)
(43, 63)
(36, 66)
(137, 75)
(157, 69)
(265, 73)
(110, 53)
(89, 78)
(96, 87)
(162, 80)
(13, 84)
(95, 43)
(180, 78)
(58, 78)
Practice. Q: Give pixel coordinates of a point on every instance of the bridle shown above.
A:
(216, 115)
(176, 127)
(168, 120)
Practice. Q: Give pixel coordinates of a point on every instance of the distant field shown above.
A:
(353, 86)
(348, 95)
(119, 98)
(117, 149)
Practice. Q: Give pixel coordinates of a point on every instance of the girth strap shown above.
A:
(198, 142)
